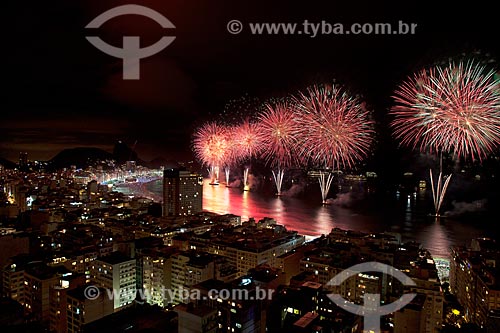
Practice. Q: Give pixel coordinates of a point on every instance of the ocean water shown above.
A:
(404, 214)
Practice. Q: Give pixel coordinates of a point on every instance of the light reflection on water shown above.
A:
(308, 217)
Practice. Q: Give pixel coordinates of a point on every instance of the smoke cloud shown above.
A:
(461, 208)
(295, 190)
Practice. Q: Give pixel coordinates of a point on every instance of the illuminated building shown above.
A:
(188, 269)
(182, 192)
(474, 280)
(248, 246)
(39, 279)
(58, 300)
(427, 307)
(13, 244)
(131, 166)
(13, 278)
(289, 262)
(156, 274)
(292, 305)
(117, 274)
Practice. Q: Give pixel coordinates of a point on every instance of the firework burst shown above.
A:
(337, 130)
(452, 109)
(248, 140)
(211, 147)
(280, 127)
(248, 144)
(231, 154)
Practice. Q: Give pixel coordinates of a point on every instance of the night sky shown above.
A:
(62, 92)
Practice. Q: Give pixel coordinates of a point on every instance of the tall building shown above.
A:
(182, 192)
(58, 300)
(38, 281)
(117, 274)
(156, 272)
(190, 268)
(427, 309)
(23, 160)
(474, 280)
(13, 278)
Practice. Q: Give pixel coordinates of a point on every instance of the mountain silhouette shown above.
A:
(81, 157)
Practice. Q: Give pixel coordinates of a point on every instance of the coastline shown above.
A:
(141, 189)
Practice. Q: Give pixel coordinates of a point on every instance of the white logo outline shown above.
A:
(371, 309)
(131, 53)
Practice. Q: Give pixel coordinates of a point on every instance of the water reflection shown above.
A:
(245, 211)
(436, 234)
(405, 215)
(324, 221)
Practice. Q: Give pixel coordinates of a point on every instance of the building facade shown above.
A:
(117, 274)
(182, 192)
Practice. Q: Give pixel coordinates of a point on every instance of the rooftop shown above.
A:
(198, 259)
(263, 273)
(80, 293)
(43, 272)
(250, 238)
(115, 258)
(198, 310)
(306, 320)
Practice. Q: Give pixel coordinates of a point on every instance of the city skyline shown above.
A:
(160, 163)
(86, 247)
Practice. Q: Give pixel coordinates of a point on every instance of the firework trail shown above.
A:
(211, 147)
(280, 127)
(232, 152)
(337, 130)
(248, 144)
(227, 171)
(246, 186)
(452, 109)
(439, 190)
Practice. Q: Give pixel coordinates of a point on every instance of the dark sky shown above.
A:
(62, 92)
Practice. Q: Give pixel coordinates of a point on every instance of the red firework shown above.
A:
(211, 145)
(336, 128)
(232, 152)
(247, 140)
(279, 126)
(455, 109)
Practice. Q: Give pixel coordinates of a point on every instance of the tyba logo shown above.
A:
(371, 309)
(131, 53)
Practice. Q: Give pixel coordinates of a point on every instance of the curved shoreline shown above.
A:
(141, 189)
